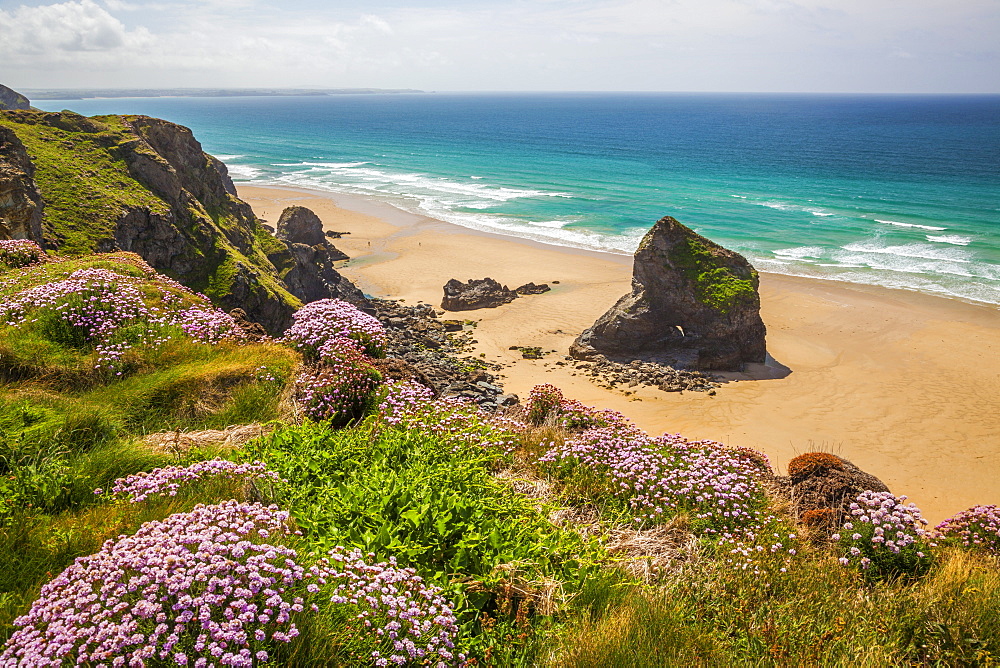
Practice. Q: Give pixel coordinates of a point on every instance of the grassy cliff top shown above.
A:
(144, 184)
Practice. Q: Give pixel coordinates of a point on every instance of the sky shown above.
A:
(861, 46)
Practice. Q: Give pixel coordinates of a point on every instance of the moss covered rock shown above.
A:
(693, 303)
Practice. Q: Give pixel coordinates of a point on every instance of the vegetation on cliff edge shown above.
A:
(421, 531)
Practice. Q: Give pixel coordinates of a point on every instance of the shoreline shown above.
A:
(905, 384)
(390, 212)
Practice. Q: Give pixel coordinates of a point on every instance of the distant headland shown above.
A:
(89, 93)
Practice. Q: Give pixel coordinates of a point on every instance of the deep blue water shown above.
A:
(902, 191)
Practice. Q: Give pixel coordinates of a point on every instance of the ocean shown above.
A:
(898, 191)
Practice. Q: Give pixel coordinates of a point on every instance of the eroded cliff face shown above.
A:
(20, 202)
(144, 185)
(693, 304)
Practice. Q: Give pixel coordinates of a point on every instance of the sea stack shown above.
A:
(694, 304)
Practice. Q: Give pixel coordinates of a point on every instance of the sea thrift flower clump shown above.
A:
(199, 588)
(412, 406)
(766, 547)
(547, 405)
(208, 324)
(111, 312)
(409, 620)
(884, 536)
(167, 481)
(15, 253)
(341, 388)
(317, 324)
(975, 527)
(658, 477)
(543, 400)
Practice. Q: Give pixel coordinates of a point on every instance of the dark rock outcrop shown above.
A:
(313, 276)
(532, 289)
(144, 185)
(11, 99)
(20, 202)
(300, 225)
(822, 481)
(416, 335)
(254, 331)
(484, 293)
(693, 304)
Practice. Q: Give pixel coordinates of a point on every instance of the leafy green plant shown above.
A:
(431, 504)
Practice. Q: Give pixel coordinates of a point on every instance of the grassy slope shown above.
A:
(66, 429)
(86, 184)
(528, 591)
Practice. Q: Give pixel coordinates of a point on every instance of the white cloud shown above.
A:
(78, 25)
(538, 45)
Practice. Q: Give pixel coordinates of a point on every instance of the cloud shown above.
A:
(821, 45)
(68, 27)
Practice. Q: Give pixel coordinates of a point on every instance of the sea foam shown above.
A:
(899, 224)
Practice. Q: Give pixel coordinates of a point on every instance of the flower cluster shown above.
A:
(409, 621)
(412, 407)
(546, 405)
(884, 536)
(15, 253)
(207, 324)
(168, 480)
(200, 588)
(340, 390)
(111, 312)
(975, 527)
(658, 477)
(318, 324)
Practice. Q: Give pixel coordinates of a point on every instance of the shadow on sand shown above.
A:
(771, 369)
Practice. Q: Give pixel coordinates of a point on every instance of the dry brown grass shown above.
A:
(182, 442)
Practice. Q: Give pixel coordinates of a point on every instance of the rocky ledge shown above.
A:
(419, 339)
(313, 276)
(693, 304)
(649, 374)
(475, 294)
(484, 293)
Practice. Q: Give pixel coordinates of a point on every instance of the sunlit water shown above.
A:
(897, 191)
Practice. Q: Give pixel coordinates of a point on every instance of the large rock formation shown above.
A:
(693, 304)
(482, 293)
(313, 277)
(300, 225)
(20, 202)
(11, 99)
(141, 184)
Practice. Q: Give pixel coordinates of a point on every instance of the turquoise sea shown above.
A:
(900, 191)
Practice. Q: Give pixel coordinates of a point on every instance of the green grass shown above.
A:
(817, 614)
(83, 177)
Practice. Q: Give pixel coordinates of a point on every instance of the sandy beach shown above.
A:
(905, 385)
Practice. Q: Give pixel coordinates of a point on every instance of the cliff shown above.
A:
(133, 183)
(693, 304)
(11, 99)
